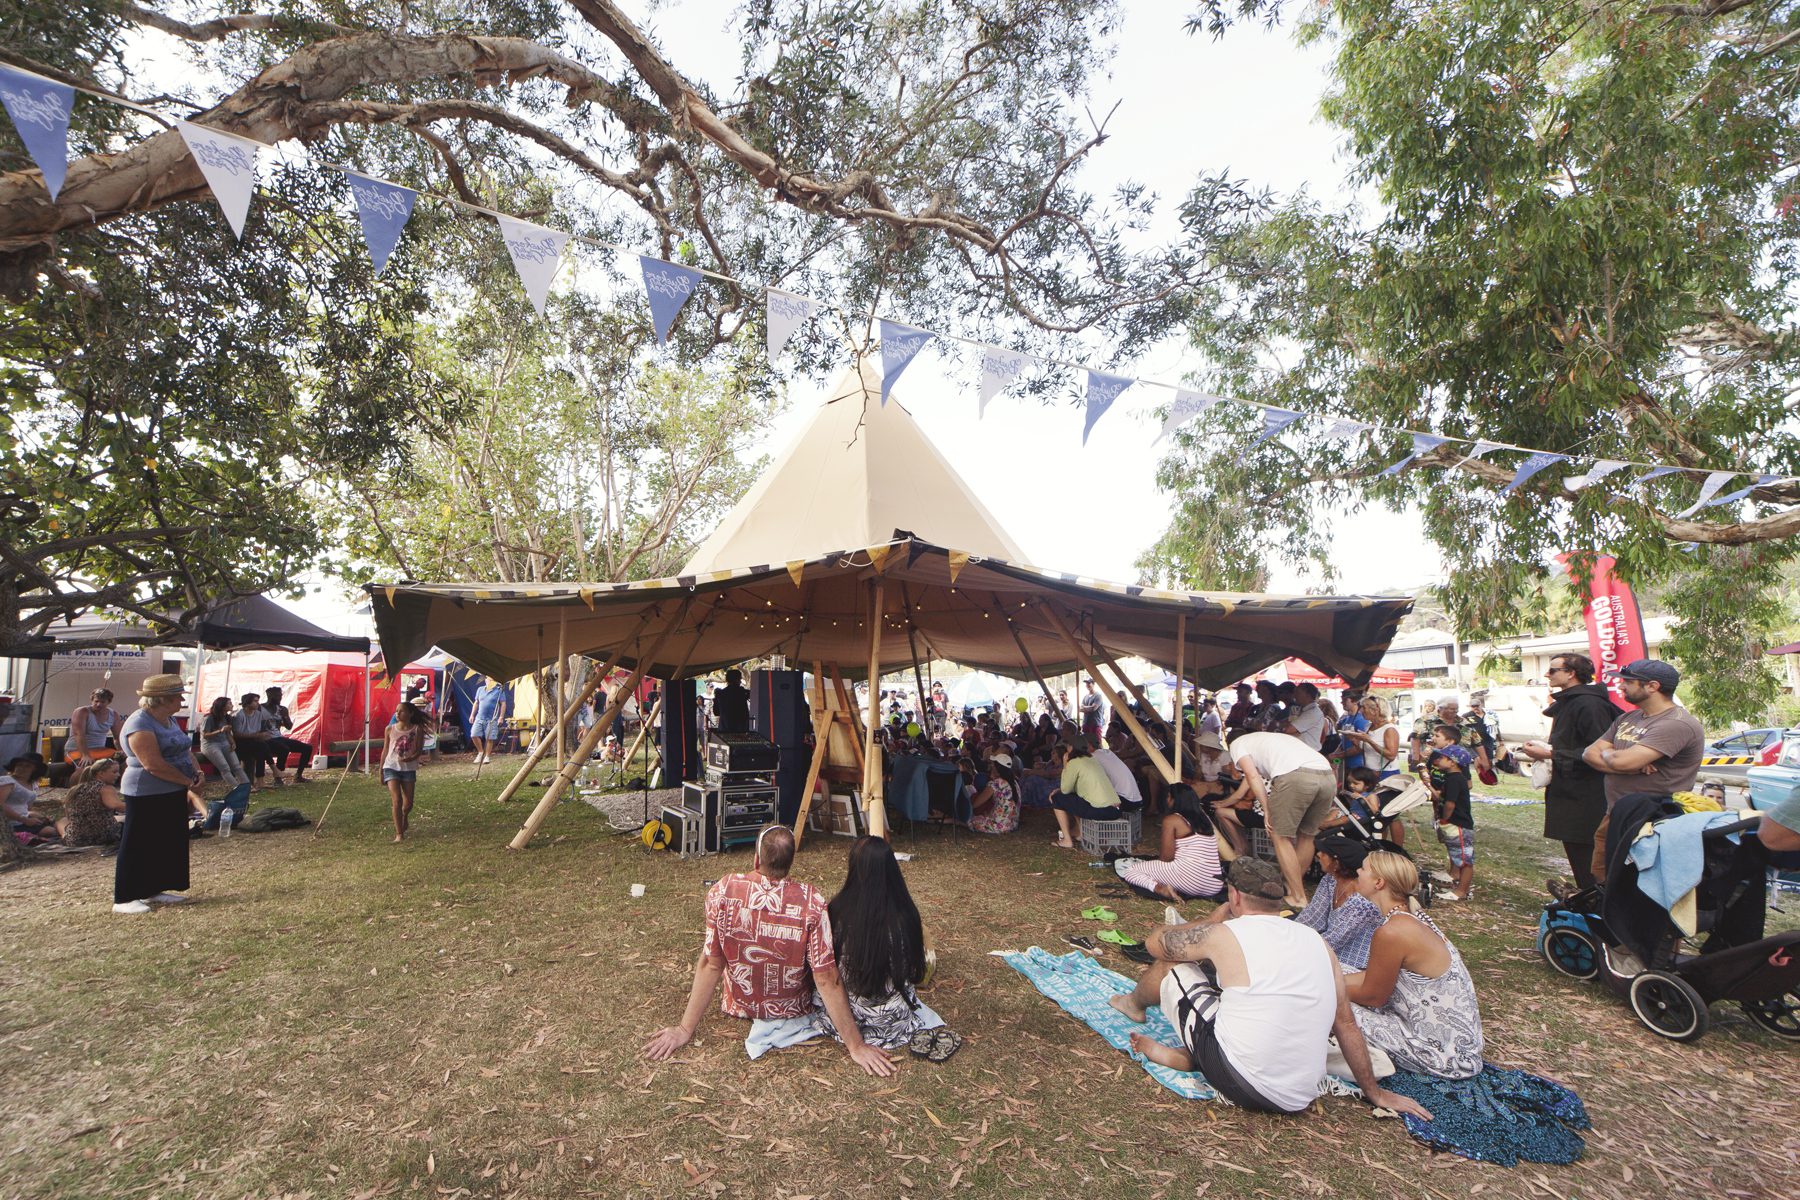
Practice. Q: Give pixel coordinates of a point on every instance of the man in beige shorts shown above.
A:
(1296, 797)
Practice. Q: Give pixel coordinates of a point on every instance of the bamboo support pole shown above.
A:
(1118, 702)
(542, 745)
(1136, 692)
(874, 787)
(566, 776)
(822, 721)
(1180, 686)
(1035, 673)
(562, 688)
(657, 708)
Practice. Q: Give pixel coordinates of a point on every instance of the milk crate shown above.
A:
(1121, 834)
(1260, 845)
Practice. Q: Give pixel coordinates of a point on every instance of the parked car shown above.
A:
(1774, 782)
(1729, 759)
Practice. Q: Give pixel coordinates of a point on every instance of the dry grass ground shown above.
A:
(342, 1017)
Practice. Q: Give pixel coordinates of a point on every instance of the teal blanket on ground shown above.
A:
(1500, 1116)
(1082, 987)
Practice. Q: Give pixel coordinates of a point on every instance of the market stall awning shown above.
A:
(864, 504)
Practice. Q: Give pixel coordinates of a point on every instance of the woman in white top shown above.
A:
(1381, 742)
(18, 792)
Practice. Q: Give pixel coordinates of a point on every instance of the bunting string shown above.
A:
(41, 108)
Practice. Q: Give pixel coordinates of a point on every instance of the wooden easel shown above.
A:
(823, 720)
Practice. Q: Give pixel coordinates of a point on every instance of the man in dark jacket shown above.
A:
(1580, 713)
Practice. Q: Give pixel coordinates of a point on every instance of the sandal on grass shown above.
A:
(1099, 913)
(1137, 954)
(921, 1042)
(1117, 938)
(944, 1043)
(1114, 891)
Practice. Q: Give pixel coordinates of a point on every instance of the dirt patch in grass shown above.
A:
(343, 1017)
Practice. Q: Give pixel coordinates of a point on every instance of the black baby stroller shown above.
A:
(1393, 798)
(1619, 933)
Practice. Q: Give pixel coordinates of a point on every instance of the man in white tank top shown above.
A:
(1254, 1000)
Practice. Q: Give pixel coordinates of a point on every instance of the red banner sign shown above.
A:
(1614, 627)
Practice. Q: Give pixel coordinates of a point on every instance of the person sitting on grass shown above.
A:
(1415, 999)
(1448, 766)
(1254, 1000)
(879, 943)
(1188, 863)
(1344, 917)
(768, 939)
(93, 808)
(18, 792)
(995, 808)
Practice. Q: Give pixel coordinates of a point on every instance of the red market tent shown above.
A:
(323, 690)
(1384, 677)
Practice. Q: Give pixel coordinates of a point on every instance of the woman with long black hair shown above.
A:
(880, 947)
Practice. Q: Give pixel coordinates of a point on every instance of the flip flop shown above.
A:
(1099, 913)
(1137, 954)
(944, 1043)
(1118, 939)
(1116, 891)
(921, 1042)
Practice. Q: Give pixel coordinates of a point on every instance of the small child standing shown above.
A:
(405, 742)
(1448, 765)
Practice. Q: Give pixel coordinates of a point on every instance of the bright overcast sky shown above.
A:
(1187, 105)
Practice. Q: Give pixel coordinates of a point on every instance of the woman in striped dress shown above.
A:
(1188, 865)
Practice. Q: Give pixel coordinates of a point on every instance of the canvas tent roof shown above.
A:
(815, 554)
(247, 623)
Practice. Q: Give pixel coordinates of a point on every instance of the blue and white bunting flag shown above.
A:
(1531, 466)
(1274, 421)
(1743, 492)
(385, 208)
(1479, 450)
(1187, 406)
(1653, 473)
(1423, 443)
(1595, 474)
(1000, 369)
(667, 286)
(1714, 481)
(229, 164)
(536, 253)
(1102, 390)
(40, 110)
(1343, 429)
(900, 344)
(786, 312)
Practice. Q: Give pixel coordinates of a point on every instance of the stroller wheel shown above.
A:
(1572, 952)
(1780, 1016)
(1669, 1005)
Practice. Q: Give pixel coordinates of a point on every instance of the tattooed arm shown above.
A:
(1181, 943)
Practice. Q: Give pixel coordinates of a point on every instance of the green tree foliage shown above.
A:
(1583, 241)
(920, 159)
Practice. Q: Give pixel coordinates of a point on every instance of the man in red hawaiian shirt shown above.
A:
(768, 938)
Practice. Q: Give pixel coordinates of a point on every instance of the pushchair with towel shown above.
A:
(1634, 929)
(1393, 798)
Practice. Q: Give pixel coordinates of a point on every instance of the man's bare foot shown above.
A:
(1156, 1052)
(399, 837)
(1126, 1003)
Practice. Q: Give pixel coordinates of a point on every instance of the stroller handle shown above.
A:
(1719, 831)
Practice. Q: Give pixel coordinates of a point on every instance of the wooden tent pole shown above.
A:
(542, 746)
(1137, 693)
(1180, 684)
(822, 721)
(874, 787)
(912, 644)
(562, 690)
(1117, 701)
(572, 768)
(1035, 673)
(657, 708)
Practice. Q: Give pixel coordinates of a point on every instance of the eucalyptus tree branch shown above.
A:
(223, 27)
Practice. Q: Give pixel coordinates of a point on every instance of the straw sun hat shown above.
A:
(158, 687)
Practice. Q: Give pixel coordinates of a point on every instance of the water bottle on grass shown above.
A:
(226, 816)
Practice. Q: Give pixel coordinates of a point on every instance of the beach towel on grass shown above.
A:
(1082, 988)
(1500, 1116)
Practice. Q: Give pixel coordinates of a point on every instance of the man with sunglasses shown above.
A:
(1581, 711)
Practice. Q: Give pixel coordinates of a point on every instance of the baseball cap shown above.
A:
(1256, 877)
(1347, 850)
(1456, 754)
(1652, 670)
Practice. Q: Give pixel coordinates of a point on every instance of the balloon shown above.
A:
(1022, 705)
(912, 729)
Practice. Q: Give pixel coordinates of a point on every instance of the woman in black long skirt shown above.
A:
(159, 770)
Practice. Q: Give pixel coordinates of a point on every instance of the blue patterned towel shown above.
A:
(1499, 1116)
(1082, 988)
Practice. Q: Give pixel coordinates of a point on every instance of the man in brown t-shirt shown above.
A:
(1655, 750)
